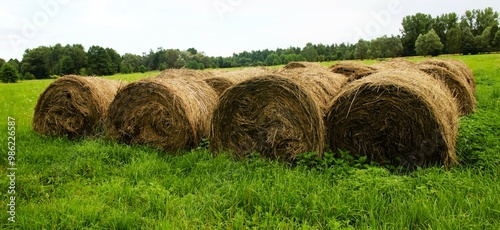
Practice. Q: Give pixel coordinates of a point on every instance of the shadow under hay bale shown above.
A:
(278, 115)
(404, 118)
(459, 88)
(171, 114)
(457, 67)
(352, 70)
(74, 106)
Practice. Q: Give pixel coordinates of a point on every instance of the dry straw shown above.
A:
(459, 88)
(74, 106)
(457, 67)
(169, 113)
(223, 79)
(399, 117)
(277, 115)
(352, 70)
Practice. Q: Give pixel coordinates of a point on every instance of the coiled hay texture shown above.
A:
(457, 67)
(352, 70)
(404, 118)
(278, 115)
(171, 114)
(459, 88)
(74, 106)
(271, 115)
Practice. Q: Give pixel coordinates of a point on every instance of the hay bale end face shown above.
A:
(272, 115)
(171, 114)
(404, 118)
(459, 88)
(74, 106)
(457, 67)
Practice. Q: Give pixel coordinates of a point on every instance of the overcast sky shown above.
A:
(216, 27)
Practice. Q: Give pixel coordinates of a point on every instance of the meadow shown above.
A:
(94, 183)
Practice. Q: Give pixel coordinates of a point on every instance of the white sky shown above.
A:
(231, 27)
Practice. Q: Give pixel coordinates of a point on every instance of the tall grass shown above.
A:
(98, 184)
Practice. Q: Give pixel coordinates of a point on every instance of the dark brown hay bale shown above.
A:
(400, 117)
(74, 106)
(352, 70)
(459, 88)
(457, 67)
(172, 114)
(273, 115)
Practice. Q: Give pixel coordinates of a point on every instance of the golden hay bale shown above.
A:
(457, 67)
(74, 106)
(459, 88)
(279, 115)
(172, 114)
(352, 70)
(272, 115)
(400, 117)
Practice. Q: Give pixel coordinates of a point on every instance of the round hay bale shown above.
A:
(272, 115)
(404, 118)
(171, 114)
(459, 88)
(352, 70)
(457, 67)
(74, 106)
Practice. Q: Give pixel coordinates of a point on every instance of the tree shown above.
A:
(361, 50)
(428, 44)
(8, 74)
(413, 26)
(116, 60)
(496, 41)
(309, 53)
(385, 47)
(485, 41)
(66, 65)
(478, 20)
(272, 60)
(131, 63)
(99, 61)
(35, 62)
(454, 40)
(1, 62)
(469, 42)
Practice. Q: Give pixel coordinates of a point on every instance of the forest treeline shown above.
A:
(476, 31)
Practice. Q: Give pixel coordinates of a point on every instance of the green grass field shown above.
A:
(97, 184)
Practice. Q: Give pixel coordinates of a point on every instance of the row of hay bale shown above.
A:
(396, 112)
